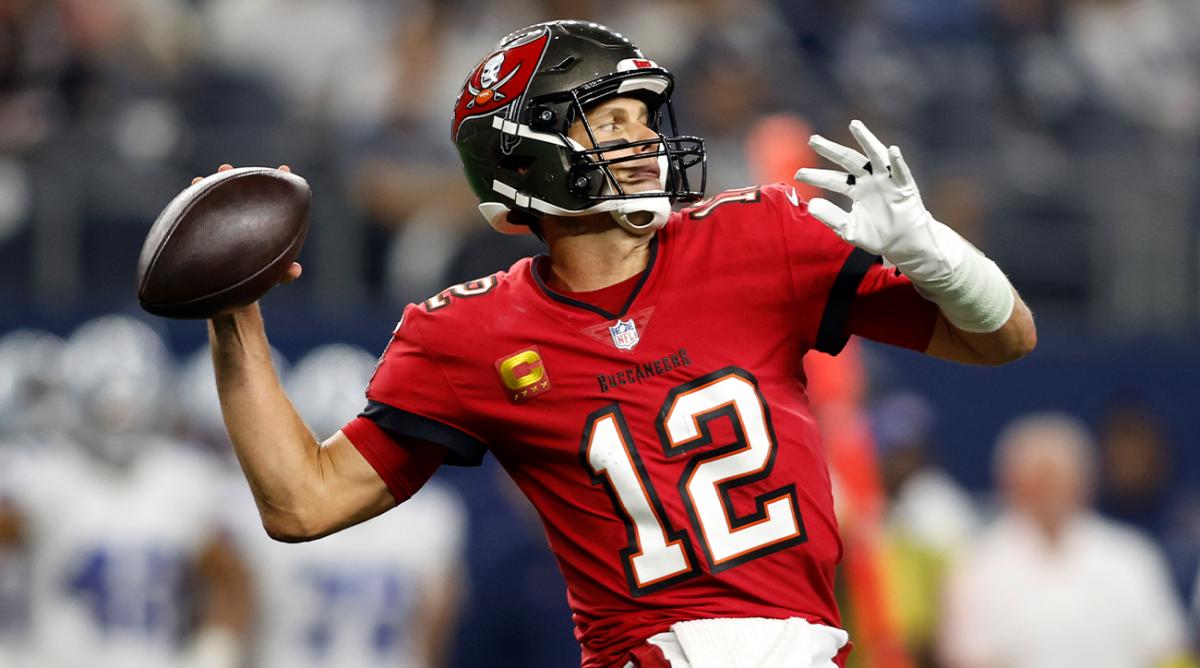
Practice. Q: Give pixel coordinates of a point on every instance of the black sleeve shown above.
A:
(464, 450)
(831, 335)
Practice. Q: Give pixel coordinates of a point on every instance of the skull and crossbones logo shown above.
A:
(490, 80)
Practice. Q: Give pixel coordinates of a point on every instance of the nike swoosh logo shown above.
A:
(791, 195)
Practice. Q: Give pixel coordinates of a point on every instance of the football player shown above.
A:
(34, 411)
(124, 567)
(359, 598)
(641, 382)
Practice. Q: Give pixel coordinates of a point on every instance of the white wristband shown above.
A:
(971, 290)
(214, 647)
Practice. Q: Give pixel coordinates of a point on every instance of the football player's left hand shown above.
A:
(887, 216)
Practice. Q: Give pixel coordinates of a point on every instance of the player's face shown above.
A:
(618, 121)
(1048, 483)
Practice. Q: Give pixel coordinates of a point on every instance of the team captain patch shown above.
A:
(523, 374)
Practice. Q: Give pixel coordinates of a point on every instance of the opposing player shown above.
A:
(641, 382)
(124, 567)
(360, 598)
(34, 403)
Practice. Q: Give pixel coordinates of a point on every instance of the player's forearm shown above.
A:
(277, 451)
(982, 319)
(440, 610)
(12, 525)
(1011, 341)
(226, 608)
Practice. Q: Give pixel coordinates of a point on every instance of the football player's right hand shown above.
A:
(295, 269)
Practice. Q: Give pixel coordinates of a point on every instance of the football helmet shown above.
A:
(328, 386)
(119, 369)
(33, 395)
(512, 115)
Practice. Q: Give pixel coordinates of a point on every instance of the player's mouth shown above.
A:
(641, 174)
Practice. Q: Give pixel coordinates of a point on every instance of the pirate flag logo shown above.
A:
(491, 81)
(501, 79)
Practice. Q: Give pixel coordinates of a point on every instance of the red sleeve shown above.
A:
(888, 309)
(842, 290)
(403, 466)
(825, 271)
(410, 397)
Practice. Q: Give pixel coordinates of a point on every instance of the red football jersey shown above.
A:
(669, 447)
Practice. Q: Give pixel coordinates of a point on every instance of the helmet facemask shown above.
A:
(591, 175)
(590, 183)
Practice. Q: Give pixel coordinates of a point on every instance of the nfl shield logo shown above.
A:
(624, 334)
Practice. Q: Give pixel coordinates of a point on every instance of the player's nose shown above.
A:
(642, 132)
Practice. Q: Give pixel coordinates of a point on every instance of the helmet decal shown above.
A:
(635, 64)
(501, 79)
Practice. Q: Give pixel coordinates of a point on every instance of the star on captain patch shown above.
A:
(624, 334)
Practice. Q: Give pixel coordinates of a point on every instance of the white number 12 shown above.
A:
(658, 557)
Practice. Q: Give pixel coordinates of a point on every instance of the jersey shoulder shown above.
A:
(468, 310)
(752, 224)
(745, 205)
(754, 213)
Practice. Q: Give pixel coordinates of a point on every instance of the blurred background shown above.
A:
(1061, 137)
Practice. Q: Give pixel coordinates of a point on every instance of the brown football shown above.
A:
(223, 242)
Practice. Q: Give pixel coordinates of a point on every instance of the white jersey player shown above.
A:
(126, 569)
(383, 593)
(113, 555)
(34, 411)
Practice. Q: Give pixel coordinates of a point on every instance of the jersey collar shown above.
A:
(575, 303)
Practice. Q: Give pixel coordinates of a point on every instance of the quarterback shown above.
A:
(641, 382)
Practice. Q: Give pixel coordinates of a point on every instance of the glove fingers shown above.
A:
(832, 215)
(847, 158)
(827, 179)
(900, 171)
(871, 145)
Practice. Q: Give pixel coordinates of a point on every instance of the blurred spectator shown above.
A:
(1141, 61)
(334, 63)
(923, 500)
(1051, 583)
(1139, 486)
(930, 518)
(741, 65)
(1025, 116)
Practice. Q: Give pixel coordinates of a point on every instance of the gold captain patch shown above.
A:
(523, 374)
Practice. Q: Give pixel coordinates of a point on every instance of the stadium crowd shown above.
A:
(1060, 135)
(1004, 105)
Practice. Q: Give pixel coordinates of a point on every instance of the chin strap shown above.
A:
(659, 209)
(621, 210)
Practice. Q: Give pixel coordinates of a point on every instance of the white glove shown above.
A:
(888, 218)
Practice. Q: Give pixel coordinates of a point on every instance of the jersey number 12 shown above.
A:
(658, 556)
